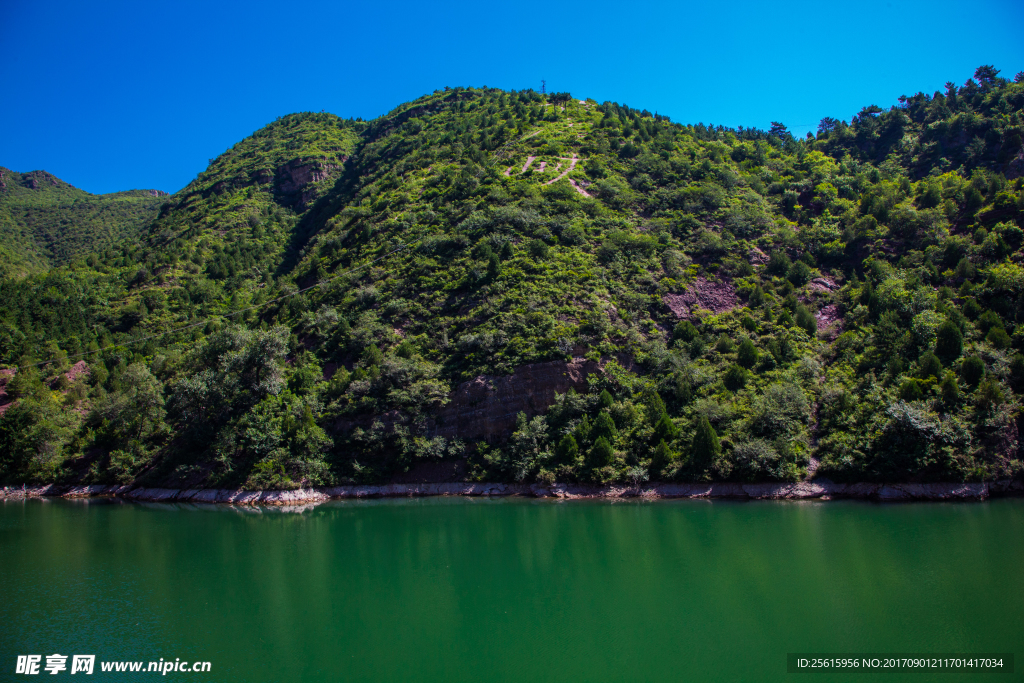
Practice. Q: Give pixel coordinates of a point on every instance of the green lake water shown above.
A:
(509, 590)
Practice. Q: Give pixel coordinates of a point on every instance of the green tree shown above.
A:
(567, 450)
(137, 408)
(601, 454)
(972, 370)
(26, 382)
(665, 430)
(684, 330)
(949, 389)
(373, 355)
(806, 320)
(778, 263)
(735, 377)
(746, 354)
(998, 338)
(799, 273)
(662, 457)
(706, 447)
(604, 427)
(929, 365)
(949, 342)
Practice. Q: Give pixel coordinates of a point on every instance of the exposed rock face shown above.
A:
(294, 182)
(486, 407)
(36, 179)
(830, 321)
(716, 297)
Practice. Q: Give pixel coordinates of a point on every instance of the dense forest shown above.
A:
(744, 304)
(45, 222)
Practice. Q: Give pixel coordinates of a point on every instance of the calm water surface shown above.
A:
(509, 590)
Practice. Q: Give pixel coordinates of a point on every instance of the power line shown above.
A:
(206, 320)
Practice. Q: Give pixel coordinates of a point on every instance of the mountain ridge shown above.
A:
(45, 221)
(331, 299)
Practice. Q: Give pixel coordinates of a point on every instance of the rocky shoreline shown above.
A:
(811, 490)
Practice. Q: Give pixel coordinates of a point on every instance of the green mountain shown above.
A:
(45, 222)
(507, 285)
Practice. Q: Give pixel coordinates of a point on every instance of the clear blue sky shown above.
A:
(117, 95)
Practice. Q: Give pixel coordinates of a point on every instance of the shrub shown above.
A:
(747, 354)
(998, 338)
(735, 378)
(799, 273)
(929, 365)
(685, 331)
(971, 371)
(1017, 370)
(538, 249)
(780, 410)
(758, 459)
(990, 394)
(725, 344)
(910, 390)
(805, 320)
(778, 263)
(949, 389)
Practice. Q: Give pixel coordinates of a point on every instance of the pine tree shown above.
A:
(604, 427)
(661, 458)
(949, 343)
(665, 429)
(705, 445)
(601, 454)
(567, 450)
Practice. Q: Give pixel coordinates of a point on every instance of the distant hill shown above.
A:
(485, 284)
(46, 222)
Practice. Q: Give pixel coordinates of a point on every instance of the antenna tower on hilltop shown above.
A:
(543, 87)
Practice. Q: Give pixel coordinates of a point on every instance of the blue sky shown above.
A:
(118, 95)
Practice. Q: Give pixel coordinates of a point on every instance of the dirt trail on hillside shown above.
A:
(540, 169)
(529, 160)
(572, 165)
(579, 189)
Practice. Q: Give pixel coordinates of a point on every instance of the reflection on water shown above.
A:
(498, 589)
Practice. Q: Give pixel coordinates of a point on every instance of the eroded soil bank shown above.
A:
(820, 490)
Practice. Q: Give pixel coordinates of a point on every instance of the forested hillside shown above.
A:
(510, 285)
(45, 222)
